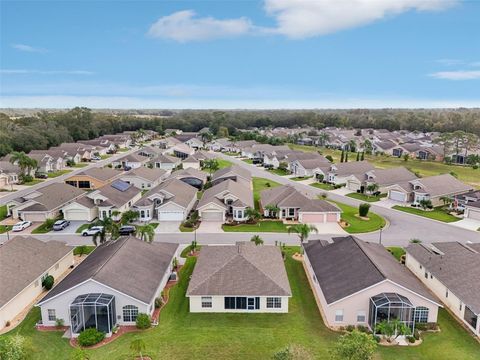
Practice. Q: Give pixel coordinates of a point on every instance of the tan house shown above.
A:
(235, 173)
(451, 271)
(144, 178)
(93, 178)
(244, 278)
(24, 263)
(9, 174)
(361, 283)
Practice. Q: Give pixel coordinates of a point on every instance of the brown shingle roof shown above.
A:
(55, 195)
(239, 190)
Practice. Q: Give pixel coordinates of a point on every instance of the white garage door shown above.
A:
(353, 185)
(170, 215)
(473, 214)
(212, 216)
(396, 195)
(76, 215)
(33, 217)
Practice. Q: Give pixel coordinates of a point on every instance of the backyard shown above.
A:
(364, 197)
(435, 214)
(357, 224)
(260, 184)
(182, 335)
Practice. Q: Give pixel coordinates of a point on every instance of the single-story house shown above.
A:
(472, 210)
(351, 174)
(24, 263)
(117, 281)
(120, 140)
(242, 278)
(293, 205)
(144, 177)
(318, 167)
(191, 162)
(168, 143)
(150, 151)
(172, 200)
(93, 178)
(44, 203)
(225, 199)
(432, 188)
(182, 151)
(451, 271)
(58, 158)
(191, 176)
(133, 161)
(165, 162)
(361, 283)
(234, 172)
(387, 177)
(194, 143)
(9, 174)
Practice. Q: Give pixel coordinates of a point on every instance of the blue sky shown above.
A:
(240, 54)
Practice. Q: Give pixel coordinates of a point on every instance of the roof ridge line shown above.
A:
(110, 257)
(368, 256)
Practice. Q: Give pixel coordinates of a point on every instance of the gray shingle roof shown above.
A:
(54, 195)
(128, 265)
(239, 190)
(384, 177)
(456, 266)
(243, 270)
(353, 168)
(116, 197)
(146, 173)
(349, 265)
(442, 185)
(102, 174)
(23, 260)
(189, 172)
(183, 194)
(234, 169)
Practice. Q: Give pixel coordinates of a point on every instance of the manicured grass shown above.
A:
(5, 228)
(230, 153)
(122, 150)
(3, 212)
(396, 251)
(81, 165)
(363, 197)
(33, 182)
(44, 228)
(154, 225)
(103, 157)
(261, 226)
(280, 172)
(358, 225)
(58, 173)
(185, 229)
(183, 335)
(436, 213)
(260, 184)
(301, 178)
(82, 227)
(248, 161)
(323, 186)
(85, 250)
(223, 163)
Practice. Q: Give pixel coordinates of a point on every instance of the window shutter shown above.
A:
(257, 303)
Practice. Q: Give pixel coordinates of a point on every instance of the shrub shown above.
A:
(59, 322)
(47, 283)
(26, 178)
(416, 334)
(363, 329)
(350, 328)
(158, 302)
(90, 337)
(363, 209)
(143, 321)
(475, 167)
(329, 158)
(13, 348)
(377, 338)
(411, 339)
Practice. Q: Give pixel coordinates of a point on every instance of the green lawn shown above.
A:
(4, 228)
(182, 335)
(366, 198)
(323, 186)
(301, 178)
(44, 228)
(81, 165)
(230, 153)
(33, 182)
(55, 174)
(436, 213)
(103, 157)
(280, 172)
(261, 226)
(86, 249)
(358, 225)
(223, 163)
(248, 161)
(82, 227)
(3, 212)
(396, 251)
(260, 184)
(185, 229)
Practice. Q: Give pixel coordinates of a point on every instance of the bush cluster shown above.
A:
(143, 321)
(90, 337)
(363, 209)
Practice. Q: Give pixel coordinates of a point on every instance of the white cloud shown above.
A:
(296, 19)
(184, 26)
(45, 72)
(457, 75)
(28, 48)
(306, 18)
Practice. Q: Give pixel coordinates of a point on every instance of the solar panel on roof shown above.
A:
(120, 185)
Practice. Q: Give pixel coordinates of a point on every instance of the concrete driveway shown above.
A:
(469, 224)
(74, 225)
(210, 227)
(168, 227)
(329, 228)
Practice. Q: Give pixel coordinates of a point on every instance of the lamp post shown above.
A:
(381, 229)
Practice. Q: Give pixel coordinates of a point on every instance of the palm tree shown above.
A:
(273, 210)
(146, 232)
(206, 137)
(303, 231)
(446, 200)
(110, 231)
(24, 162)
(257, 240)
(252, 214)
(138, 346)
(211, 165)
(371, 188)
(323, 138)
(129, 216)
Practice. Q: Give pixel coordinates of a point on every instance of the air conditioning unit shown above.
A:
(173, 276)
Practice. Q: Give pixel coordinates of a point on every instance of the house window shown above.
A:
(206, 302)
(446, 293)
(291, 212)
(426, 275)
(130, 313)
(52, 316)
(82, 184)
(421, 314)
(361, 316)
(72, 183)
(274, 302)
(229, 303)
(338, 315)
(142, 214)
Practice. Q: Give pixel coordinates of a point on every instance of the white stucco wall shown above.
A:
(218, 306)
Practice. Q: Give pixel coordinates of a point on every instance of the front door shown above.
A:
(250, 303)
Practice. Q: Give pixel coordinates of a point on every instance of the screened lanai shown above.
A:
(94, 310)
(389, 306)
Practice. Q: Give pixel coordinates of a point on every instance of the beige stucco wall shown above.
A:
(218, 306)
(16, 305)
(440, 290)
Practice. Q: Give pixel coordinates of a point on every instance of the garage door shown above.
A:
(396, 195)
(353, 185)
(473, 214)
(76, 214)
(332, 217)
(33, 217)
(313, 218)
(170, 215)
(211, 216)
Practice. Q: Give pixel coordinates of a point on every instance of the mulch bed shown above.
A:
(51, 328)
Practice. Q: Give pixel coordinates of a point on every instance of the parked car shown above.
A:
(92, 231)
(95, 158)
(41, 175)
(127, 168)
(127, 230)
(60, 225)
(22, 225)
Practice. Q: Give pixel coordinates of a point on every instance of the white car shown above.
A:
(92, 231)
(22, 225)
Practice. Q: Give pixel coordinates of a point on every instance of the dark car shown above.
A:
(127, 230)
(41, 175)
(60, 225)
(127, 168)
